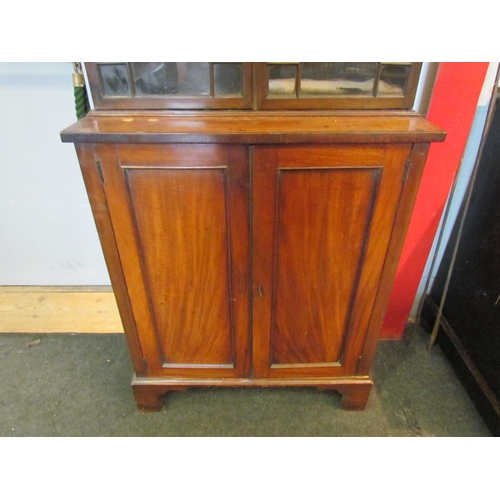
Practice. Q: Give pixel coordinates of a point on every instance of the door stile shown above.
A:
(98, 202)
(385, 209)
(238, 220)
(264, 225)
(126, 240)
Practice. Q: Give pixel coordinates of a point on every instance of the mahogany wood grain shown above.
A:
(175, 221)
(264, 195)
(376, 250)
(252, 249)
(87, 159)
(319, 156)
(401, 222)
(129, 253)
(324, 218)
(180, 155)
(181, 223)
(252, 129)
(239, 243)
(149, 392)
(355, 398)
(321, 221)
(151, 398)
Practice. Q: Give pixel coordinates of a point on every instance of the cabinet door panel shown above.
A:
(322, 224)
(182, 210)
(182, 228)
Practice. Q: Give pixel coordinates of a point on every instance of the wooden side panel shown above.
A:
(325, 218)
(87, 157)
(405, 209)
(182, 243)
(377, 252)
(322, 221)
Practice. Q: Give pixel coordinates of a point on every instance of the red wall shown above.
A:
(452, 107)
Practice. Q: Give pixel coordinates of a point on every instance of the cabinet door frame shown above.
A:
(391, 161)
(265, 101)
(232, 162)
(174, 102)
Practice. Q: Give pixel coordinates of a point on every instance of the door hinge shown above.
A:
(99, 171)
(407, 168)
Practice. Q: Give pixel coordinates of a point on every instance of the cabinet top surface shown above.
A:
(251, 128)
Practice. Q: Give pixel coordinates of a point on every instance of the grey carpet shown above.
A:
(79, 385)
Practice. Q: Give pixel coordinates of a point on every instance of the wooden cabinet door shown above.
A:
(180, 218)
(322, 221)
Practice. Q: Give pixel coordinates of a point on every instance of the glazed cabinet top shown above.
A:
(258, 86)
(253, 103)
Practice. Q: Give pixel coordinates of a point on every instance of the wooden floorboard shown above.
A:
(58, 310)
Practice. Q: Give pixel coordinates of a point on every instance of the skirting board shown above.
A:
(56, 309)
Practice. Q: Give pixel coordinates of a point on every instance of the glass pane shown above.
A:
(176, 78)
(337, 79)
(228, 79)
(115, 80)
(393, 78)
(282, 79)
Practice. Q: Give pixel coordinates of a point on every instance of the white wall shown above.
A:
(47, 233)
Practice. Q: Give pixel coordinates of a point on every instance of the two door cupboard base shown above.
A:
(149, 392)
(252, 249)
